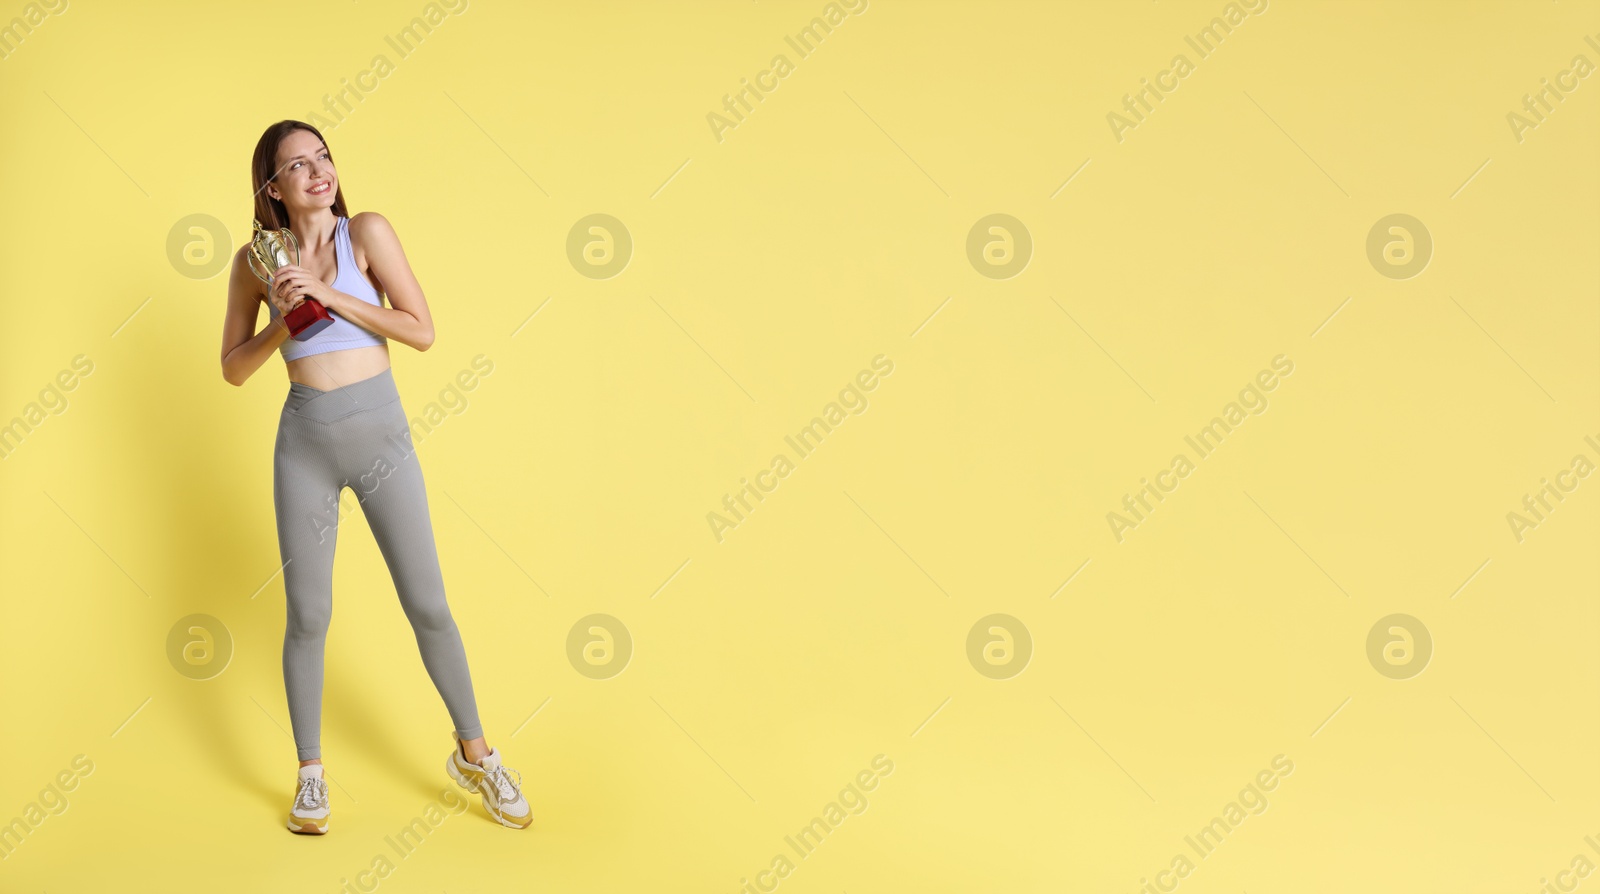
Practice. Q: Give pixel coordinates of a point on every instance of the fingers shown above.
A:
(286, 299)
(291, 286)
(288, 275)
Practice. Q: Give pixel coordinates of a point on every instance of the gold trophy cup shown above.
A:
(270, 250)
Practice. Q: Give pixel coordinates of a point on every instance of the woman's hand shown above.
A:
(280, 300)
(293, 284)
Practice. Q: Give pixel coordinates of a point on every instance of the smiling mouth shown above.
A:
(321, 189)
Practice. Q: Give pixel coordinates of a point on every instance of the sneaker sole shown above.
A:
(308, 826)
(462, 780)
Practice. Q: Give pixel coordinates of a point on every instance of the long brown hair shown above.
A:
(264, 169)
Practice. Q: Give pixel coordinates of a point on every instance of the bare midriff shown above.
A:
(336, 369)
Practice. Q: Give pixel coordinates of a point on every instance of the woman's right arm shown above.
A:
(244, 352)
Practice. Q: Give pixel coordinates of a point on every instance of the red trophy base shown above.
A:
(307, 319)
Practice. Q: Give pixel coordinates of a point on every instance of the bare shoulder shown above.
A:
(245, 276)
(372, 228)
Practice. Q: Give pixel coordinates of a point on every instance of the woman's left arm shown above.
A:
(407, 319)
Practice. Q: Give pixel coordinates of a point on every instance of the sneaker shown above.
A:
(502, 795)
(309, 815)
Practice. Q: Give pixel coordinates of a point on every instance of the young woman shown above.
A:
(343, 425)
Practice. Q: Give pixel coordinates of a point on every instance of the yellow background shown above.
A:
(824, 230)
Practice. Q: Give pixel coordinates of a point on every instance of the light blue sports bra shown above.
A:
(342, 334)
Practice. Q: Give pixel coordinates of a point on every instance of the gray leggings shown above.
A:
(357, 436)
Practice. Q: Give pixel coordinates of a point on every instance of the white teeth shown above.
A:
(319, 190)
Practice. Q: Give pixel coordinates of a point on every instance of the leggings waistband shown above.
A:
(326, 406)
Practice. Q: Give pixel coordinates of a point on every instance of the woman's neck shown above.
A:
(314, 229)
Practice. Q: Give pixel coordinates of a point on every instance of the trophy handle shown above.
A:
(257, 265)
(293, 245)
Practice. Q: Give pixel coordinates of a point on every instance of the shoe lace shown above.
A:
(313, 793)
(501, 777)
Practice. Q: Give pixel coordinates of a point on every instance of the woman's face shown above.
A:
(306, 180)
